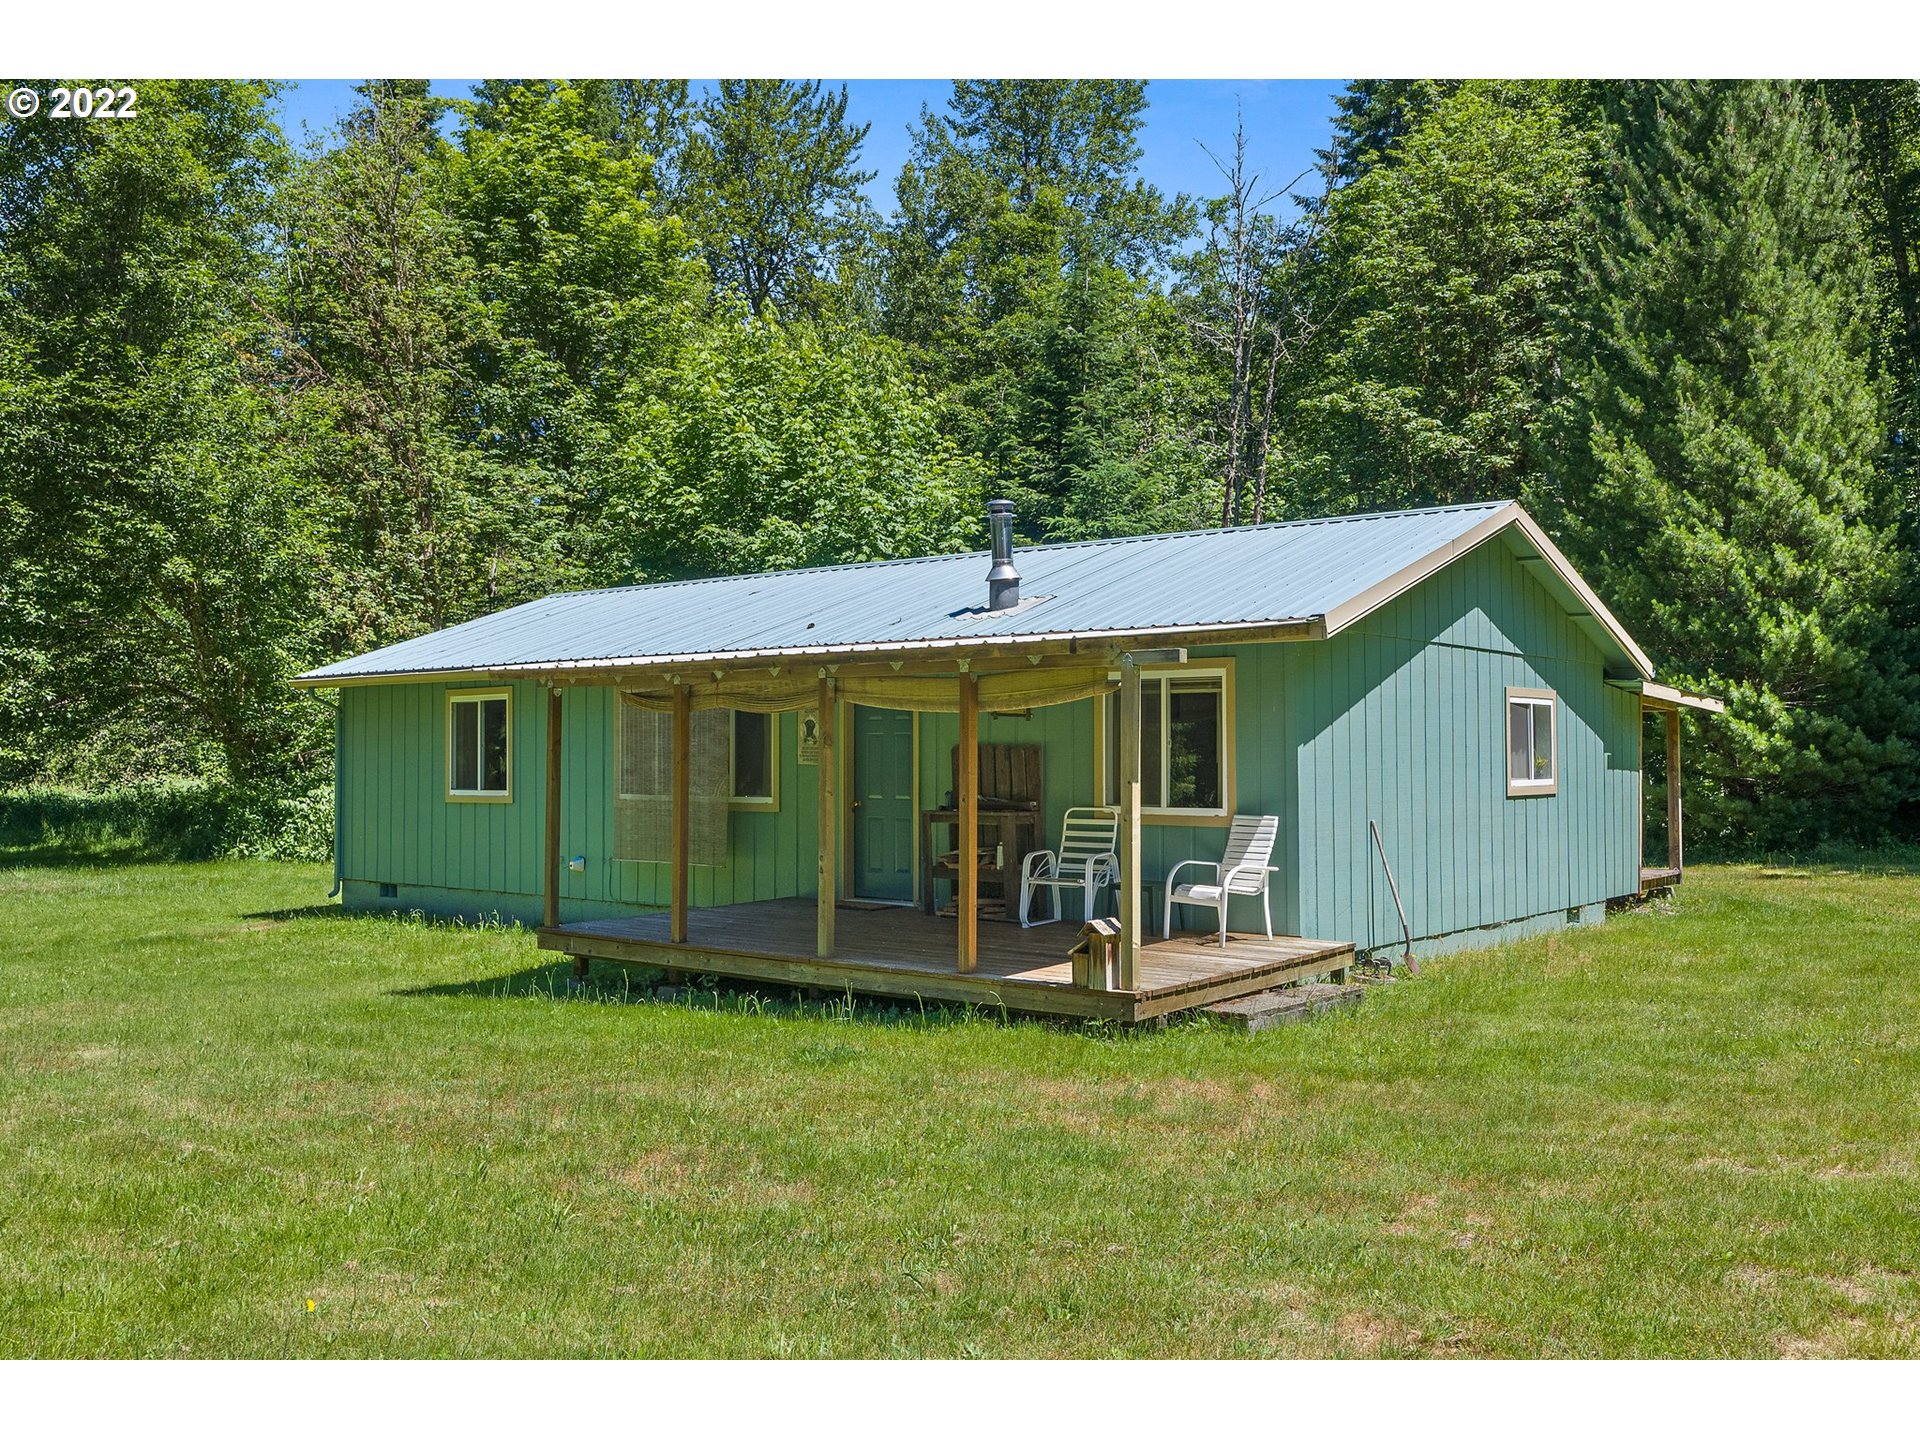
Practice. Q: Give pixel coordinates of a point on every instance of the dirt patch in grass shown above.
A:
(688, 1177)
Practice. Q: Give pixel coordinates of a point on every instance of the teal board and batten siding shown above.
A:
(398, 828)
(1400, 719)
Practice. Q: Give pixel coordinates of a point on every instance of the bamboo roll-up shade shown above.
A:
(1009, 691)
(643, 788)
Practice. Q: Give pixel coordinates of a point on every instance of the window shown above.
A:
(1533, 760)
(754, 771)
(1186, 762)
(478, 745)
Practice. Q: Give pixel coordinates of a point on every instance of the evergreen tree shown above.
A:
(1372, 117)
(772, 188)
(1716, 456)
(1885, 115)
(1021, 275)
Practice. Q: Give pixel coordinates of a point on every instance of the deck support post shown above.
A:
(828, 883)
(682, 805)
(1129, 897)
(1673, 792)
(550, 914)
(967, 872)
(550, 907)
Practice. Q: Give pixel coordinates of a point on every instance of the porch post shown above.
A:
(829, 849)
(551, 915)
(682, 803)
(967, 892)
(1673, 790)
(1129, 778)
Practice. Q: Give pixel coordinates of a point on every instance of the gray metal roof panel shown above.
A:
(1276, 573)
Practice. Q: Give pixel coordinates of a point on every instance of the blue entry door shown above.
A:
(882, 804)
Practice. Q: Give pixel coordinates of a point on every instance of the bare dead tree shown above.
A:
(1256, 307)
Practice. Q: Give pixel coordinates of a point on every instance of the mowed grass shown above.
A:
(231, 1124)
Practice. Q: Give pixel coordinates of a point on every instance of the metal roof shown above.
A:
(1276, 574)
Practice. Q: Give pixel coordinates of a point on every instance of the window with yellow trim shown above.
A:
(1185, 731)
(1533, 759)
(753, 763)
(479, 749)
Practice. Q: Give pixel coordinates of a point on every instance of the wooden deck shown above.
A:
(906, 955)
(1657, 878)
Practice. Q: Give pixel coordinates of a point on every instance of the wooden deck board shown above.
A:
(900, 952)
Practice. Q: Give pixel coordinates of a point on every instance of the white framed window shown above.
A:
(1186, 743)
(753, 761)
(480, 745)
(1533, 754)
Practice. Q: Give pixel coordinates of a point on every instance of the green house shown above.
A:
(1435, 722)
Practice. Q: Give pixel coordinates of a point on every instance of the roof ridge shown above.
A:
(1045, 547)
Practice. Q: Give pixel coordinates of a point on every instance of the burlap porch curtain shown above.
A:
(643, 789)
(1000, 692)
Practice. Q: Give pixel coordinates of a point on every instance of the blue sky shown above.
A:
(1287, 120)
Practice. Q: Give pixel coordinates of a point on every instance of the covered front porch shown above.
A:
(905, 955)
(831, 939)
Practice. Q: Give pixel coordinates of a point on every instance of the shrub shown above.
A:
(177, 819)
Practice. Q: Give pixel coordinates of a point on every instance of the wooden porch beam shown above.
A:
(682, 805)
(1091, 648)
(967, 899)
(550, 914)
(825, 768)
(1129, 702)
(1673, 791)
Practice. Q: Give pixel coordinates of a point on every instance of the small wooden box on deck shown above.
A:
(1096, 958)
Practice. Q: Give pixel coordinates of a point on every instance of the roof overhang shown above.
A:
(1655, 696)
(957, 653)
(1556, 572)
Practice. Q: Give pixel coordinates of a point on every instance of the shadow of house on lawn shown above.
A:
(637, 985)
(541, 982)
(323, 911)
(330, 910)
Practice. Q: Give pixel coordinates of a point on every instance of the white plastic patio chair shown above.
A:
(1085, 861)
(1243, 870)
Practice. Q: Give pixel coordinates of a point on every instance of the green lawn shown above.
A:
(230, 1131)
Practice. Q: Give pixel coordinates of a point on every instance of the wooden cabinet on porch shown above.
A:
(1010, 827)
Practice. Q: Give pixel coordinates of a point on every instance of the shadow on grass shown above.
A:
(69, 857)
(543, 982)
(1899, 862)
(609, 983)
(326, 910)
(330, 910)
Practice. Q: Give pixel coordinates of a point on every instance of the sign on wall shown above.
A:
(810, 736)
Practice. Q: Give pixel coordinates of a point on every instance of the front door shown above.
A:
(882, 804)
